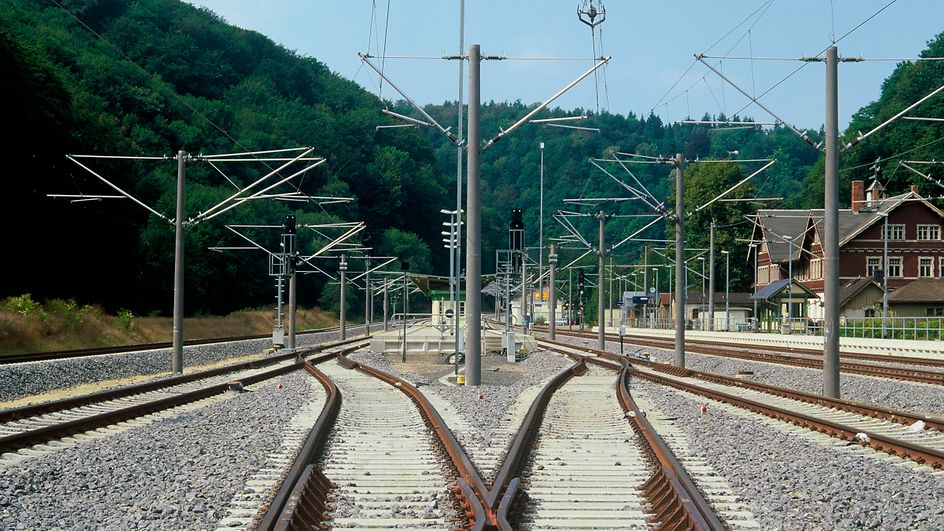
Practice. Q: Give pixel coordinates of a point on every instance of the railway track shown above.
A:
(381, 457)
(26, 427)
(587, 466)
(767, 356)
(900, 433)
(586, 458)
(141, 347)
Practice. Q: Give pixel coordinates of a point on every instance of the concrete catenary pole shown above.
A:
(386, 304)
(459, 147)
(343, 269)
(831, 225)
(680, 276)
(367, 296)
(291, 310)
(711, 277)
(524, 287)
(645, 283)
(179, 265)
(552, 297)
(473, 252)
(601, 256)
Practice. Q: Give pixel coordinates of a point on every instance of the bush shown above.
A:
(26, 306)
(126, 318)
(23, 305)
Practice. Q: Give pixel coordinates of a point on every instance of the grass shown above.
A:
(30, 326)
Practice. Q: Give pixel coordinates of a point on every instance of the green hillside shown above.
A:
(150, 77)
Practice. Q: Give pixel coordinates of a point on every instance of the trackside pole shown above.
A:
(179, 266)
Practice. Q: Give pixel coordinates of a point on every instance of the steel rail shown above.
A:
(505, 481)
(772, 356)
(871, 410)
(14, 442)
(302, 498)
(637, 338)
(879, 442)
(470, 482)
(875, 411)
(9, 415)
(671, 492)
(678, 502)
(119, 349)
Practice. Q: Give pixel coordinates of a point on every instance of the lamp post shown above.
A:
(541, 232)
(790, 284)
(652, 323)
(702, 260)
(756, 317)
(884, 274)
(727, 290)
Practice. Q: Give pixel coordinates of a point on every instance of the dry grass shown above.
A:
(62, 325)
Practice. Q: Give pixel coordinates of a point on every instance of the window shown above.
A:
(763, 275)
(894, 266)
(896, 232)
(929, 232)
(870, 312)
(940, 266)
(925, 266)
(934, 312)
(872, 264)
(816, 268)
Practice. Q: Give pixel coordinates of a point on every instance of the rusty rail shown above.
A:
(471, 488)
(671, 493)
(871, 410)
(128, 349)
(675, 498)
(881, 443)
(306, 503)
(505, 480)
(301, 500)
(32, 410)
(17, 441)
(862, 408)
(771, 355)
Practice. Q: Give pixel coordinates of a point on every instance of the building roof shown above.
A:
(779, 224)
(852, 223)
(922, 290)
(851, 289)
(773, 289)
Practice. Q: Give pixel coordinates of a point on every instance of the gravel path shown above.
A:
(175, 473)
(26, 379)
(915, 397)
(791, 482)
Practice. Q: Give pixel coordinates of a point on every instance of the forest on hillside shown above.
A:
(150, 77)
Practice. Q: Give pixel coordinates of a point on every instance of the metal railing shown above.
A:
(916, 328)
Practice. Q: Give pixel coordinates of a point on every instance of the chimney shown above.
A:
(914, 188)
(858, 195)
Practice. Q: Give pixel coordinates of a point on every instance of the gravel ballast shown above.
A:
(915, 397)
(174, 473)
(26, 379)
(792, 482)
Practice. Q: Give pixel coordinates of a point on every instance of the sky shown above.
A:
(652, 45)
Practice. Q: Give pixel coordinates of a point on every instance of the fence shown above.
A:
(921, 328)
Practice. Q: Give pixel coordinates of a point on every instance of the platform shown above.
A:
(888, 347)
(427, 339)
